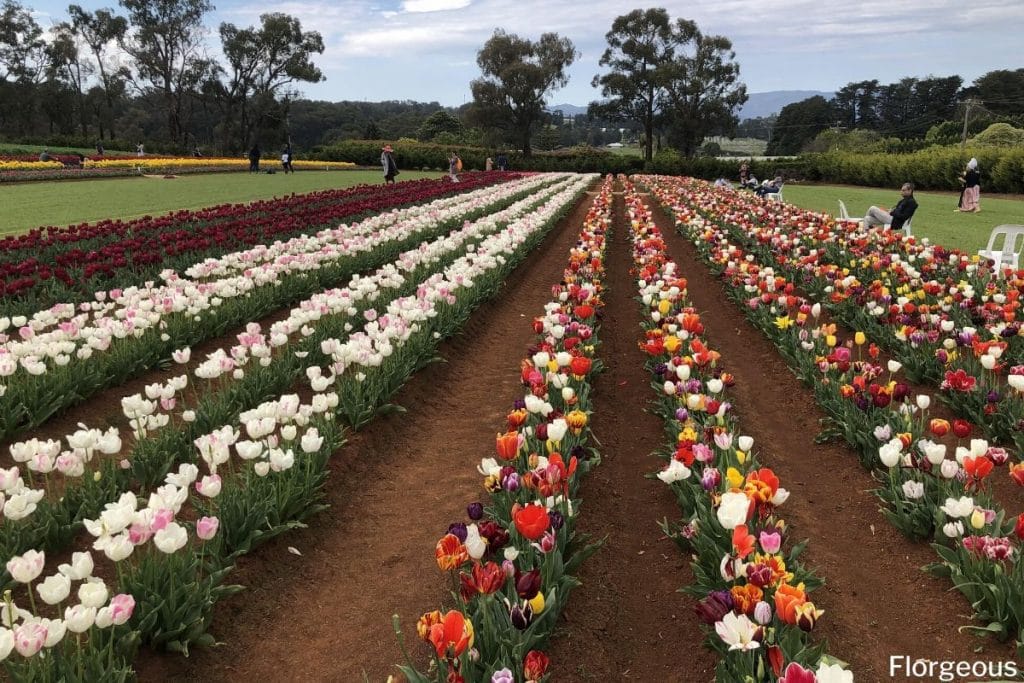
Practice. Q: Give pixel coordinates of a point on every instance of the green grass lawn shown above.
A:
(933, 219)
(64, 202)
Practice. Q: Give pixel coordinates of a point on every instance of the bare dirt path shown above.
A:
(394, 488)
(628, 621)
(877, 601)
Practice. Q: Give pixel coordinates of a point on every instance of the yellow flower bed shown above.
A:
(163, 164)
(29, 165)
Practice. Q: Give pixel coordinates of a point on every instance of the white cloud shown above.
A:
(434, 5)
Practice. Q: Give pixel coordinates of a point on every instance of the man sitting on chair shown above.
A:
(900, 214)
(767, 187)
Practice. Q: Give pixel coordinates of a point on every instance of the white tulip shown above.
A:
(93, 593)
(170, 539)
(54, 589)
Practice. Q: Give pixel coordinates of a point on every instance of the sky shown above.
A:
(425, 50)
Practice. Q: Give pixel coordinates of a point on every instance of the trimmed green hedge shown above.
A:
(425, 155)
(936, 168)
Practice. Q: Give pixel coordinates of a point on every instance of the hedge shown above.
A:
(936, 168)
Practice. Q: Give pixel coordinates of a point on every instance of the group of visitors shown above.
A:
(895, 218)
(255, 154)
(390, 166)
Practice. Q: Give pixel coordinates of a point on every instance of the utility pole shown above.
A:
(967, 115)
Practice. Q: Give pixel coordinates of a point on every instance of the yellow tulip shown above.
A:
(672, 343)
(664, 306)
(733, 476)
(859, 338)
(741, 457)
(784, 322)
(830, 340)
(537, 603)
(977, 519)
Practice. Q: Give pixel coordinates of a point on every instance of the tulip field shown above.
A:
(524, 427)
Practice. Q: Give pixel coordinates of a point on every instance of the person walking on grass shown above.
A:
(454, 166)
(971, 179)
(387, 162)
(900, 214)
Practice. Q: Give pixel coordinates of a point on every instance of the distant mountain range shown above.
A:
(758, 103)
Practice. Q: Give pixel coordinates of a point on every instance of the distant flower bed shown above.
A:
(23, 171)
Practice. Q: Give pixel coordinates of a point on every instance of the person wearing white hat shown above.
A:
(971, 179)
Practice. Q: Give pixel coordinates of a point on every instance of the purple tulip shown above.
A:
(715, 606)
(557, 519)
(475, 511)
(521, 615)
(458, 529)
(682, 414)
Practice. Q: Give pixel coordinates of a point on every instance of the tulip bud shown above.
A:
(763, 613)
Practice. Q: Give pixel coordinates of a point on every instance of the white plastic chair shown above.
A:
(906, 227)
(1009, 255)
(845, 217)
(777, 196)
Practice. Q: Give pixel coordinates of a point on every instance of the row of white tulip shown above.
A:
(347, 238)
(150, 412)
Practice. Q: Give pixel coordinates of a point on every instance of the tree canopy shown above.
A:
(517, 76)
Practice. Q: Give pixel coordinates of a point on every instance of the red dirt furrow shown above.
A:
(628, 621)
(877, 601)
(394, 488)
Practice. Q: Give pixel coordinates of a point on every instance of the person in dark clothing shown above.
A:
(900, 214)
(502, 162)
(254, 159)
(971, 179)
(99, 148)
(388, 164)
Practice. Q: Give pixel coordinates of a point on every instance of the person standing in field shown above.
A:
(140, 150)
(388, 164)
(454, 166)
(489, 164)
(254, 158)
(286, 158)
(971, 179)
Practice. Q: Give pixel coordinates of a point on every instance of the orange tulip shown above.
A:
(517, 418)
(507, 445)
(1017, 473)
(746, 597)
(787, 599)
(742, 541)
(977, 468)
(450, 552)
(453, 635)
(938, 427)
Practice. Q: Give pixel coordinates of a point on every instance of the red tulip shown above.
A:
(532, 521)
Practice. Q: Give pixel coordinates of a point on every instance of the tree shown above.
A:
(437, 123)
(640, 46)
(703, 88)
(23, 65)
(518, 75)
(262, 62)
(372, 132)
(1001, 91)
(68, 67)
(855, 104)
(167, 49)
(799, 123)
(98, 30)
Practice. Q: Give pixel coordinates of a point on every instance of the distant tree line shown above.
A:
(910, 114)
(146, 75)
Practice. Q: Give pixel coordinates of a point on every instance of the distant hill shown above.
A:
(567, 109)
(772, 102)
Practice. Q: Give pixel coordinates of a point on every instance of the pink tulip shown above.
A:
(770, 542)
(29, 638)
(161, 519)
(206, 527)
(122, 605)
